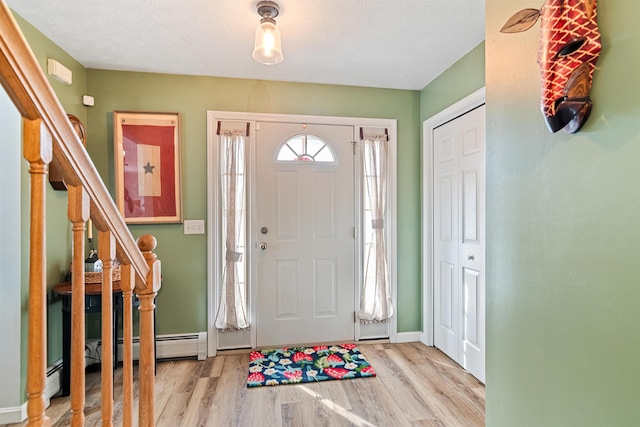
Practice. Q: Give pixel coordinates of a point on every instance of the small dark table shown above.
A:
(92, 304)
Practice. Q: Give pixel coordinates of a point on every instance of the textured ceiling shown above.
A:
(400, 44)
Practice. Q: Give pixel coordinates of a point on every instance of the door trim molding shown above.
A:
(461, 107)
(213, 215)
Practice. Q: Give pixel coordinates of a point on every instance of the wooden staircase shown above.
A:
(48, 138)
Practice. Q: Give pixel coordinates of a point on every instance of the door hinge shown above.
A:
(354, 144)
(355, 317)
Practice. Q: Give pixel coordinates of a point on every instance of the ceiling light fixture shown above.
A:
(268, 47)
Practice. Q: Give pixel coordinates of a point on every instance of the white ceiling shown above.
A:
(400, 44)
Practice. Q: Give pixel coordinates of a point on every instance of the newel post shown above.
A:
(38, 151)
(147, 244)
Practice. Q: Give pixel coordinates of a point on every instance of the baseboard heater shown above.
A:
(173, 346)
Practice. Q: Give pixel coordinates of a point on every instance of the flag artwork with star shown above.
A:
(149, 171)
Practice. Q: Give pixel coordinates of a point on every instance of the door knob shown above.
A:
(263, 245)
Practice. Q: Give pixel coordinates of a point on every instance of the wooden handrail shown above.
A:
(27, 86)
(49, 138)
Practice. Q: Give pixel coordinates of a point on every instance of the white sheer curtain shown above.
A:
(376, 304)
(231, 314)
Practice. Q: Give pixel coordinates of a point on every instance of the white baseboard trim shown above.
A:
(408, 336)
(427, 339)
(16, 414)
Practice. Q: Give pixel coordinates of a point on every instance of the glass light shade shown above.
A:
(268, 47)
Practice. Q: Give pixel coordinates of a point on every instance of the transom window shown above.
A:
(305, 148)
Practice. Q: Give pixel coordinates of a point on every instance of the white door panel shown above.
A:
(446, 283)
(306, 273)
(459, 233)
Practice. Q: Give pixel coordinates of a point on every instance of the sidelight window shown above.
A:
(231, 314)
(376, 304)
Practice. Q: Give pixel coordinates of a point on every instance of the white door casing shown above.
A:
(248, 339)
(453, 242)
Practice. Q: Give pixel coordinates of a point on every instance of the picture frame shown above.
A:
(56, 178)
(147, 166)
(79, 128)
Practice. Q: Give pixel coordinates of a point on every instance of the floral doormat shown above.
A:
(307, 364)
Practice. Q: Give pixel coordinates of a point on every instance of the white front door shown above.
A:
(305, 235)
(459, 240)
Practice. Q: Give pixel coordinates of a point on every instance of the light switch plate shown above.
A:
(193, 226)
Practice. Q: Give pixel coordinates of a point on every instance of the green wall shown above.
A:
(58, 228)
(182, 299)
(563, 235)
(461, 79)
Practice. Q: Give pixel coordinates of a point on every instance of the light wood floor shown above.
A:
(415, 385)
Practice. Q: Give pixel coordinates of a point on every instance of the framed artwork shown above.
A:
(147, 166)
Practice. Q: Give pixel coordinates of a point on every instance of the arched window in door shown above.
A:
(305, 148)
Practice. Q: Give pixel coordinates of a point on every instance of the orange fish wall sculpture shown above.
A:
(569, 49)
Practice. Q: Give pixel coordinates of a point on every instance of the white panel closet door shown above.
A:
(459, 240)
